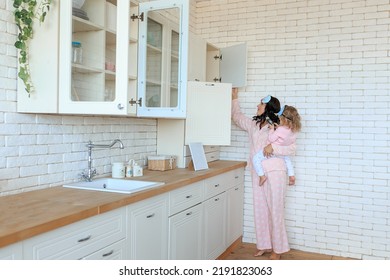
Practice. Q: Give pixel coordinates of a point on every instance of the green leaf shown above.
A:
(17, 3)
(18, 45)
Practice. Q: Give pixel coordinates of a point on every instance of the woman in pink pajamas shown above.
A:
(268, 200)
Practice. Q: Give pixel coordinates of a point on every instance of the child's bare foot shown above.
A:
(262, 179)
(291, 180)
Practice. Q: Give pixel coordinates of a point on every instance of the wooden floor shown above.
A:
(245, 251)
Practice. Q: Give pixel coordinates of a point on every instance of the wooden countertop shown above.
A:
(31, 213)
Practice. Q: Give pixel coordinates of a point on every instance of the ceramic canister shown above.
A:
(118, 170)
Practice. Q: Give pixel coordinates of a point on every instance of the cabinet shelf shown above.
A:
(133, 40)
(110, 38)
(78, 68)
(110, 75)
(82, 25)
(153, 82)
(154, 49)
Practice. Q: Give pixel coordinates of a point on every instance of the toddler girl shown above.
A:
(283, 134)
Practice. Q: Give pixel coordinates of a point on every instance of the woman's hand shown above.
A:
(268, 150)
(234, 93)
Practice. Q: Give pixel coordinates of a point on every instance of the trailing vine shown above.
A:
(26, 12)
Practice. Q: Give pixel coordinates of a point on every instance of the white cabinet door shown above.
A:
(43, 61)
(227, 65)
(12, 252)
(163, 58)
(233, 65)
(209, 113)
(185, 234)
(148, 229)
(214, 226)
(98, 84)
(197, 58)
(234, 212)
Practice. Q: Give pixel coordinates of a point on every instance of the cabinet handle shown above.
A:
(150, 216)
(236, 177)
(189, 196)
(216, 186)
(108, 254)
(84, 239)
(216, 199)
(189, 213)
(236, 189)
(120, 106)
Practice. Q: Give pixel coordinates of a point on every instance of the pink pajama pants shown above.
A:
(268, 204)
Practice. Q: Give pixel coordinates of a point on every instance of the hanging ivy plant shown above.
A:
(26, 12)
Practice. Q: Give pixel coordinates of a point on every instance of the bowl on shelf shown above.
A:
(78, 3)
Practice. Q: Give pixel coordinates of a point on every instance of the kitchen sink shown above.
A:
(114, 185)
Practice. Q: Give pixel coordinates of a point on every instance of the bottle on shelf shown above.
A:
(77, 53)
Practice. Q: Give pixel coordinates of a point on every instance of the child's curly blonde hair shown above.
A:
(291, 117)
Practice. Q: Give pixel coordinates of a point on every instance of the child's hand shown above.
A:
(273, 126)
(268, 150)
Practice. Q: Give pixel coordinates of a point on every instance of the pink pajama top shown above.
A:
(258, 139)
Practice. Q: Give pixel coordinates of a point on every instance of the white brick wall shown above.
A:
(47, 150)
(330, 59)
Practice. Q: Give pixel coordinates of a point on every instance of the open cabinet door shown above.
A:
(233, 65)
(208, 113)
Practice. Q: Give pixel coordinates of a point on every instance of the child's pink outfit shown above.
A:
(282, 136)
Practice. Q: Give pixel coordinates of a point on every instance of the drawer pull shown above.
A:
(188, 196)
(108, 254)
(84, 239)
(150, 216)
(216, 186)
(216, 199)
(236, 177)
(236, 189)
(189, 213)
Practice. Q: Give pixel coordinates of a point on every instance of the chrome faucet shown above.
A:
(91, 172)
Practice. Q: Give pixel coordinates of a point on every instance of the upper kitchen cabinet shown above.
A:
(110, 57)
(163, 56)
(227, 65)
(74, 61)
(209, 63)
(97, 65)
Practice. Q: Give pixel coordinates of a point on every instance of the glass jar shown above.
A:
(77, 53)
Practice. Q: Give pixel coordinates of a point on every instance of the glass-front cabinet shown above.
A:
(163, 52)
(98, 58)
(118, 57)
(110, 57)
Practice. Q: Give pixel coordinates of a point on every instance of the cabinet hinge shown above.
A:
(218, 57)
(134, 17)
(133, 102)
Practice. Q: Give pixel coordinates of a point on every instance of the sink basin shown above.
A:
(114, 185)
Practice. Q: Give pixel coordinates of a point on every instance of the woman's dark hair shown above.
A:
(271, 109)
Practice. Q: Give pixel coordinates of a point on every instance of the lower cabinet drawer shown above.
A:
(217, 184)
(78, 240)
(185, 197)
(115, 251)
